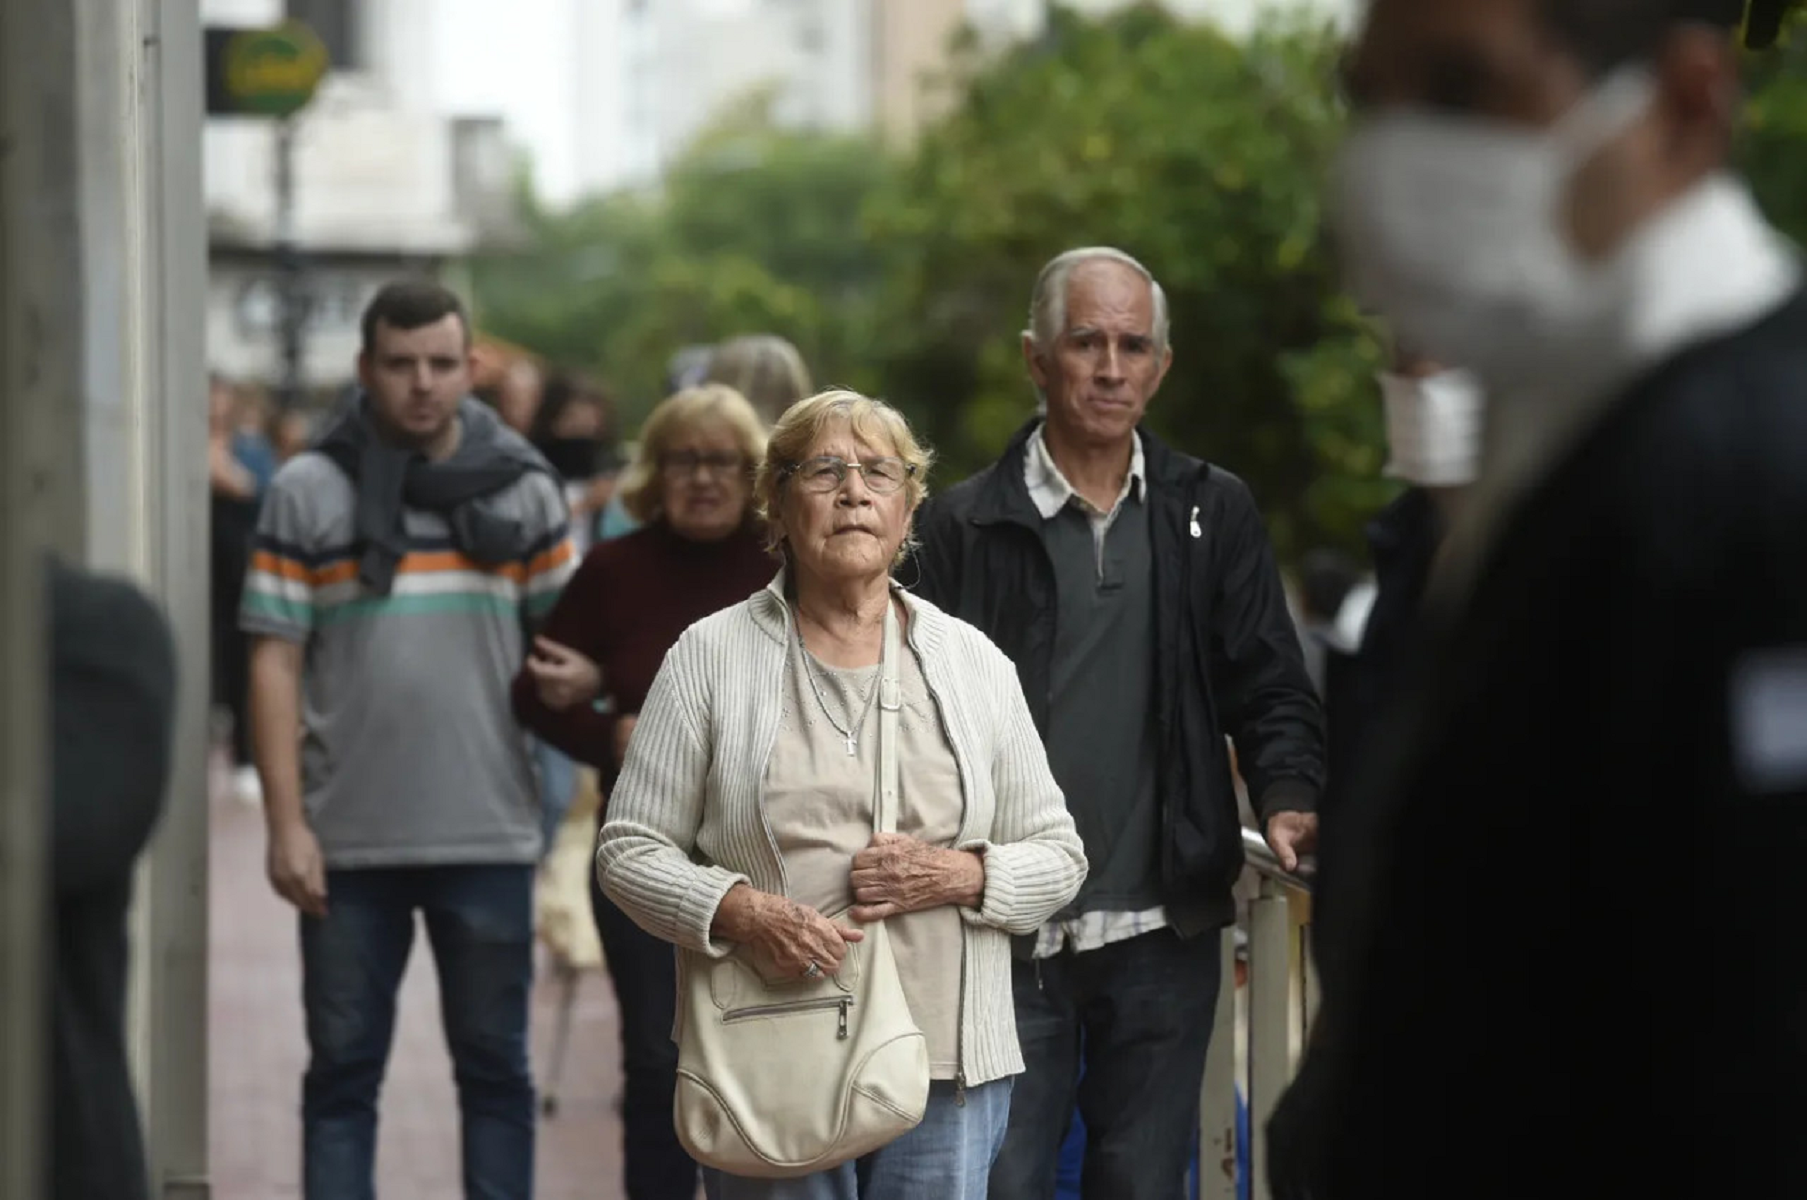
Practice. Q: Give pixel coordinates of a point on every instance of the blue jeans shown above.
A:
(480, 925)
(1141, 1011)
(947, 1157)
(558, 787)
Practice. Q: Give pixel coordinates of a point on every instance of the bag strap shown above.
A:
(890, 704)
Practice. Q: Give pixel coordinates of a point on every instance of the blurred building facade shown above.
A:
(835, 65)
(384, 184)
(411, 155)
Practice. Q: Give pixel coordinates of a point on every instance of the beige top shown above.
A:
(687, 821)
(819, 801)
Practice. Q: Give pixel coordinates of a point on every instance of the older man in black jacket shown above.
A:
(1600, 770)
(1136, 592)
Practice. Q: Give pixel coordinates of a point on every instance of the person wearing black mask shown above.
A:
(575, 430)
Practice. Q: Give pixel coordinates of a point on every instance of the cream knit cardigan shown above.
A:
(686, 821)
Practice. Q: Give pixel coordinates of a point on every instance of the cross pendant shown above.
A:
(853, 747)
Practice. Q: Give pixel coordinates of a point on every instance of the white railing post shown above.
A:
(1271, 1022)
(1217, 1100)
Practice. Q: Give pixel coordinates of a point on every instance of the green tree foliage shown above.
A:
(908, 274)
(755, 230)
(1202, 156)
(1772, 144)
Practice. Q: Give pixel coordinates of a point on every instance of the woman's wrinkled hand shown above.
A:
(898, 874)
(564, 678)
(786, 937)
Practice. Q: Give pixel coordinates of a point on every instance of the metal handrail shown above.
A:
(1262, 858)
(1279, 999)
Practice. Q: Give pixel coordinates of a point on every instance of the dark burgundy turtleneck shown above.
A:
(624, 608)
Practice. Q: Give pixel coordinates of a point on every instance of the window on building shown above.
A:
(335, 23)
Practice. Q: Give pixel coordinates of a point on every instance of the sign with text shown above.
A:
(263, 72)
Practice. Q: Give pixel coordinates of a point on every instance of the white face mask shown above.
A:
(1452, 228)
(1433, 428)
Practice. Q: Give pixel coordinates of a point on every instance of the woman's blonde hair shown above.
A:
(871, 421)
(764, 368)
(680, 413)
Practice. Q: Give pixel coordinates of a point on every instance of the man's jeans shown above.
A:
(1142, 1008)
(944, 1158)
(480, 925)
(558, 786)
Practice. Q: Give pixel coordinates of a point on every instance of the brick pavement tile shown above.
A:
(257, 1051)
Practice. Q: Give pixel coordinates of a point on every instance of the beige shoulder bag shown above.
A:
(778, 1079)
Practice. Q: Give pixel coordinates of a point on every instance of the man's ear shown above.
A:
(1166, 365)
(1032, 359)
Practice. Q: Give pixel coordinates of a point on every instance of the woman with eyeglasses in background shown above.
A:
(699, 548)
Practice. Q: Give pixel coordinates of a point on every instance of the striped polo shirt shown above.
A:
(410, 753)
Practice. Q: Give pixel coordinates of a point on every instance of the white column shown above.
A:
(102, 255)
(170, 275)
(1271, 1023)
(143, 414)
(40, 505)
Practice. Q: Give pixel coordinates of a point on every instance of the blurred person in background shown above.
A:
(763, 367)
(575, 430)
(398, 566)
(1613, 702)
(1433, 421)
(1330, 593)
(240, 465)
(519, 394)
(743, 818)
(572, 429)
(112, 712)
(1136, 591)
(291, 432)
(700, 548)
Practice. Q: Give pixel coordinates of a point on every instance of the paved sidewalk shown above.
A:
(257, 1052)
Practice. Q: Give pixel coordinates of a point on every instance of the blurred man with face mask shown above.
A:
(1600, 763)
(1433, 421)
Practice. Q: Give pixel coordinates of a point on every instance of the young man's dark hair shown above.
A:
(409, 304)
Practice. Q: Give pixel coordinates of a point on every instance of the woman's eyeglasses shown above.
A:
(683, 464)
(827, 473)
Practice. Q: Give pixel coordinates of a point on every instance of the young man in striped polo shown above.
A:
(398, 566)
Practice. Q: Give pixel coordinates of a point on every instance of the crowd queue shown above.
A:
(922, 798)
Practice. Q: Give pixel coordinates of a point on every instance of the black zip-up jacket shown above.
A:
(1227, 656)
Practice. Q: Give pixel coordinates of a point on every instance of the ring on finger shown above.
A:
(813, 970)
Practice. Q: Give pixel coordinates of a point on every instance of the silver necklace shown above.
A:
(850, 736)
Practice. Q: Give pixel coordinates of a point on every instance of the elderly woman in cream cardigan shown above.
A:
(743, 820)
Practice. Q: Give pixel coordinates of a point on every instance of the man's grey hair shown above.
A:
(1048, 305)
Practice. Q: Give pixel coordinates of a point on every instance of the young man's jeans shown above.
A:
(479, 923)
(947, 1157)
(1142, 1009)
(558, 786)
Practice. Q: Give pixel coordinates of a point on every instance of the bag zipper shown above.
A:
(795, 1006)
